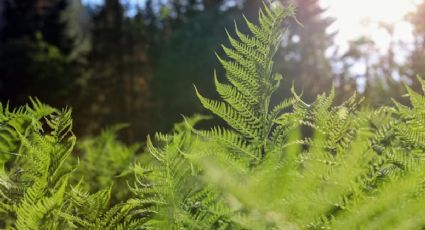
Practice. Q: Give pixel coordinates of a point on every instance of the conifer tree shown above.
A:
(118, 88)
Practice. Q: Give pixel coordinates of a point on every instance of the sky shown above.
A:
(355, 18)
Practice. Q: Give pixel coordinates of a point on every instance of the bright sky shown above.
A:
(355, 18)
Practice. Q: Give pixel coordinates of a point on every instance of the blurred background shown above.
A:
(122, 61)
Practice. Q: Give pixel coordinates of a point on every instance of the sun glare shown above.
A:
(355, 18)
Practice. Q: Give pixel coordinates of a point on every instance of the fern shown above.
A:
(35, 182)
(104, 161)
(291, 166)
(251, 84)
(305, 183)
(168, 193)
(18, 120)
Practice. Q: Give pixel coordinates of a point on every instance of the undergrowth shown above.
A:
(359, 168)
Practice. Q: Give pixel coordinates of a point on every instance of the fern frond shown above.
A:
(232, 116)
(36, 211)
(249, 72)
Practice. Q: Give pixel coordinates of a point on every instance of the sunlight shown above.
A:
(362, 17)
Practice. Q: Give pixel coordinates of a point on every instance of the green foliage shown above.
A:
(37, 140)
(291, 166)
(247, 97)
(104, 161)
(169, 192)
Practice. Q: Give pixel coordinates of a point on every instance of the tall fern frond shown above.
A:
(251, 83)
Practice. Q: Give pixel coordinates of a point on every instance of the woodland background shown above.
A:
(114, 62)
